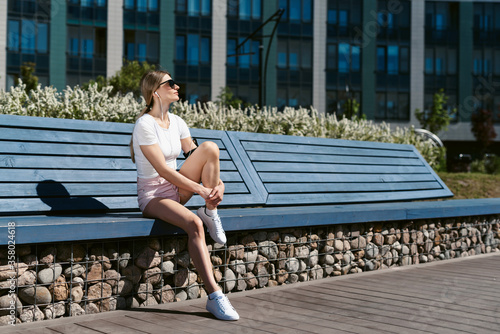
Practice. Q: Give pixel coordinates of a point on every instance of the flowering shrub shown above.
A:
(98, 104)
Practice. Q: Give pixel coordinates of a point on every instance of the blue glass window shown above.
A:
(28, 36)
(193, 7)
(180, 6)
(73, 46)
(439, 66)
(355, 58)
(86, 3)
(231, 50)
(87, 48)
(332, 16)
(129, 4)
(294, 10)
(245, 9)
(100, 3)
(381, 59)
(193, 49)
(440, 25)
(206, 7)
(141, 52)
(205, 50)
(344, 49)
(153, 5)
(142, 6)
(42, 38)
(343, 18)
(180, 48)
(392, 59)
(13, 39)
(306, 10)
(282, 54)
(244, 61)
(256, 9)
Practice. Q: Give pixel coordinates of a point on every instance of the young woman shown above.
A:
(162, 191)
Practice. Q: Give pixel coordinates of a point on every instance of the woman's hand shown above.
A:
(216, 195)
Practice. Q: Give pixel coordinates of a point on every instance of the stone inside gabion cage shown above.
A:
(66, 279)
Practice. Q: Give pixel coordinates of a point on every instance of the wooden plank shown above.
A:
(348, 177)
(57, 149)
(323, 158)
(354, 197)
(348, 187)
(308, 168)
(38, 175)
(11, 147)
(86, 163)
(64, 124)
(9, 190)
(332, 148)
(53, 136)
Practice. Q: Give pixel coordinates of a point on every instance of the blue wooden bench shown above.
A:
(69, 180)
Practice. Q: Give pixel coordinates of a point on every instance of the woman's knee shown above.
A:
(195, 228)
(210, 147)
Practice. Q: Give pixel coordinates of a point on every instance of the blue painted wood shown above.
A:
(39, 229)
(301, 162)
(89, 161)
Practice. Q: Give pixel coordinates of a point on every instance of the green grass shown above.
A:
(472, 185)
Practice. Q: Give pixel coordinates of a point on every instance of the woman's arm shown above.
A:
(155, 156)
(187, 144)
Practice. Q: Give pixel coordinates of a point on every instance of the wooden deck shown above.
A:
(454, 296)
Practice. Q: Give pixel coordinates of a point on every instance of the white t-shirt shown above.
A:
(148, 132)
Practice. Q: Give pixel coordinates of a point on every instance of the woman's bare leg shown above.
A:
(178, 215)
(202, 165)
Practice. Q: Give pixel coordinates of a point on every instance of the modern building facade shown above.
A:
(391, 56)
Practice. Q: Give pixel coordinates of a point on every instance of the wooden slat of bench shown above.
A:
(86, 163)
(324, 158)
(319, 177)
(81, 150)
(26, 190)
(279, 167)
(345, 187)
(38, 175)
(332, 150)
(352, 197)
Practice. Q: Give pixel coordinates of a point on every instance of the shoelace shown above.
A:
(218, 224)
(223, 302)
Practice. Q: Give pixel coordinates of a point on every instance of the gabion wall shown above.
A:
(66, 279)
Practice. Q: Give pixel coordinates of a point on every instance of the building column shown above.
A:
(466, 100)
(58, 42)
(319, 56)
(269, 99)
(219, 47)
(417, 57)
(3, 44)
(368, 37)
(167, 36)
(114, 51)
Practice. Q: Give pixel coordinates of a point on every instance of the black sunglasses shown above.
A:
(170, 82)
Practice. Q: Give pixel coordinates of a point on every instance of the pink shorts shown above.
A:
(147, 189)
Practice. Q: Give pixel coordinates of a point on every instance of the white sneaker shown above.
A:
(214, 226)
(221, 308)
